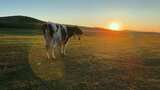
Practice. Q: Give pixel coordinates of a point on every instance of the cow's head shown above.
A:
(77, 31)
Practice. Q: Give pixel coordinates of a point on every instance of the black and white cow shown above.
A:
(57, 36)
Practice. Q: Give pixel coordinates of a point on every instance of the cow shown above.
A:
(57, 36)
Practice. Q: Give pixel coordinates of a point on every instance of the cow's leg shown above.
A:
(64, 49)
(48, 51)
(48, 54)
(53, 53)
(61, 48)
(53, 46)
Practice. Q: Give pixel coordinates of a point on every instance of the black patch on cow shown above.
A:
(64, 33)
(58, 27)
(51, 30)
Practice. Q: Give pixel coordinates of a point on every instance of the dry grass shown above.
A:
(112, 61)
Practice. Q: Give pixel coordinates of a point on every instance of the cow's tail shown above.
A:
(44, 27)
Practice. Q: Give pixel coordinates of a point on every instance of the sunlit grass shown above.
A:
(114, 60)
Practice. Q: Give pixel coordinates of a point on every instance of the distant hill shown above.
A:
(25, 23)
(19, 22)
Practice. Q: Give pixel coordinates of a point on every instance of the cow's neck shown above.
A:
(70, 33)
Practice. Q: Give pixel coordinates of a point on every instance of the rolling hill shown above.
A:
(19, 22)
(26, 23)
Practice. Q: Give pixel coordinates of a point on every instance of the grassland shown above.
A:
(100, 61)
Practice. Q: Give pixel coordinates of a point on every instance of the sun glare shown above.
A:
(114, 26)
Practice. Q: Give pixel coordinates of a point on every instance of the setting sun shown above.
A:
(114, 26)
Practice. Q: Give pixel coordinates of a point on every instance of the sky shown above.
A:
(141, 15)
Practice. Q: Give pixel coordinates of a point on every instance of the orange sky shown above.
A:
(140, 15)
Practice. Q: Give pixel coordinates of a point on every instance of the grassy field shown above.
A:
(100, 61)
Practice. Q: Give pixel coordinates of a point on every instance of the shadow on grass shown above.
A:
(20, 70)
(15, 70)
